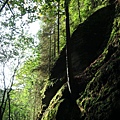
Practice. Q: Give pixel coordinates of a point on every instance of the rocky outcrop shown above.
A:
(88, 42)
(98, 95)
(98, 83)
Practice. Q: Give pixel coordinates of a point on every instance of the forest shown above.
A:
(59, 59)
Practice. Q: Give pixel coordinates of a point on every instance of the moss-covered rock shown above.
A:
(97, 95)
(51, 111)
(101, 99)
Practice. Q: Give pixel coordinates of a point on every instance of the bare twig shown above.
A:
(4, 5)
(3, 73)
(13, 76)
(10, 9)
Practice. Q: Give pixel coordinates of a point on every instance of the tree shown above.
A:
(58, 26)
(15, 43)
(68, 50)
(7, 90)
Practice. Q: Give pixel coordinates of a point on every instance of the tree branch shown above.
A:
(4, 5)
(10, 9)
(13, 76)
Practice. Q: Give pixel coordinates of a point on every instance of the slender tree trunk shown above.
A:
(54, 42)
(0, 113)
(34, 110)
(68, 50)
(58, 46)
(50, 46)
(3, 104)
(9, 104)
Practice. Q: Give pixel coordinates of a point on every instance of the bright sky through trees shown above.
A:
(32, 31)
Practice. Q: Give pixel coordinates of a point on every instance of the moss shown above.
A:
(51, 111)
(99, 100)
(101, 96)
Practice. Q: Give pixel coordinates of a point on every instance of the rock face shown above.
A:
(88, 42)
(101, 99)
(98, 95)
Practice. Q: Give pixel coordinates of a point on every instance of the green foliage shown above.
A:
(36, 60)
(24, 93)
(16, 46)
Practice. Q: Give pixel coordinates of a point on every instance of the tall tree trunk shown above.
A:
(54, 43)
(50, 52)
(68, 50)
(0, 113)
(9, 104)
(58, 46)
(3, 104)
